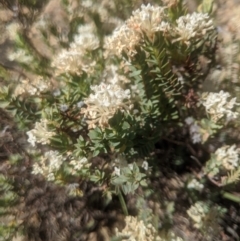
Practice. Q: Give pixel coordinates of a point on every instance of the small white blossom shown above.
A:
(50, 163)
(75, 59)
(79, 164)
(20, 55)
(163, 27)
(103, 104)
(40, 134)
(136, 230)
(228, 156)
(33, 87)
(112, 76)
(148, 19)
(218, 105)
(145, 165)
(130, 166)
(194, 184)
(86, 38)
(192, 26)
(117, 171)
(197, 213)
(124, 39)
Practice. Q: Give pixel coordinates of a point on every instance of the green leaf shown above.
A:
(143, 183)
(119, 180)
(135, 73)
(4, 104)
(96, 152)
(206, 6)
(94, 134)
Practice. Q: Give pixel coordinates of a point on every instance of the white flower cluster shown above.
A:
(194, 184)
(40, 134)
(21, 56)
(75, 59)
(148, 19)
(194, 129)
(197, 213)
(225, 158)
(112, 76)
(151, 19)
(228, 157)
(103, 104)
(124, 39)
(192, 26)
(218, 105)
(86, 38)
(49, 165)
(136, 230)
(117, 171)
(34, 87)
(77, 165)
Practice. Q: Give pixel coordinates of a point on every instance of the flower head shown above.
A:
(228, 156)
(75, 59)
(40, 134)
(104, 103)
(33, 87)
(138, 231)
(148, 19)
(197, 213)
(218, 105)
(50, 163)
(192, 26)
(124, 39)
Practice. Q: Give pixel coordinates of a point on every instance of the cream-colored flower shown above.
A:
(192, 26)
(228, 156)
(123, 39)
(138, 231)
(145, 165)
(117, 171)
(21, 56)
(33, 87)
(218, 105)
(197, 213)
(148, 19)
(194, 184)
(86, 38)
(40, 133)
(75, 60)
(104, 103)
(78, 164)
(112, 76)
(50, 163)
